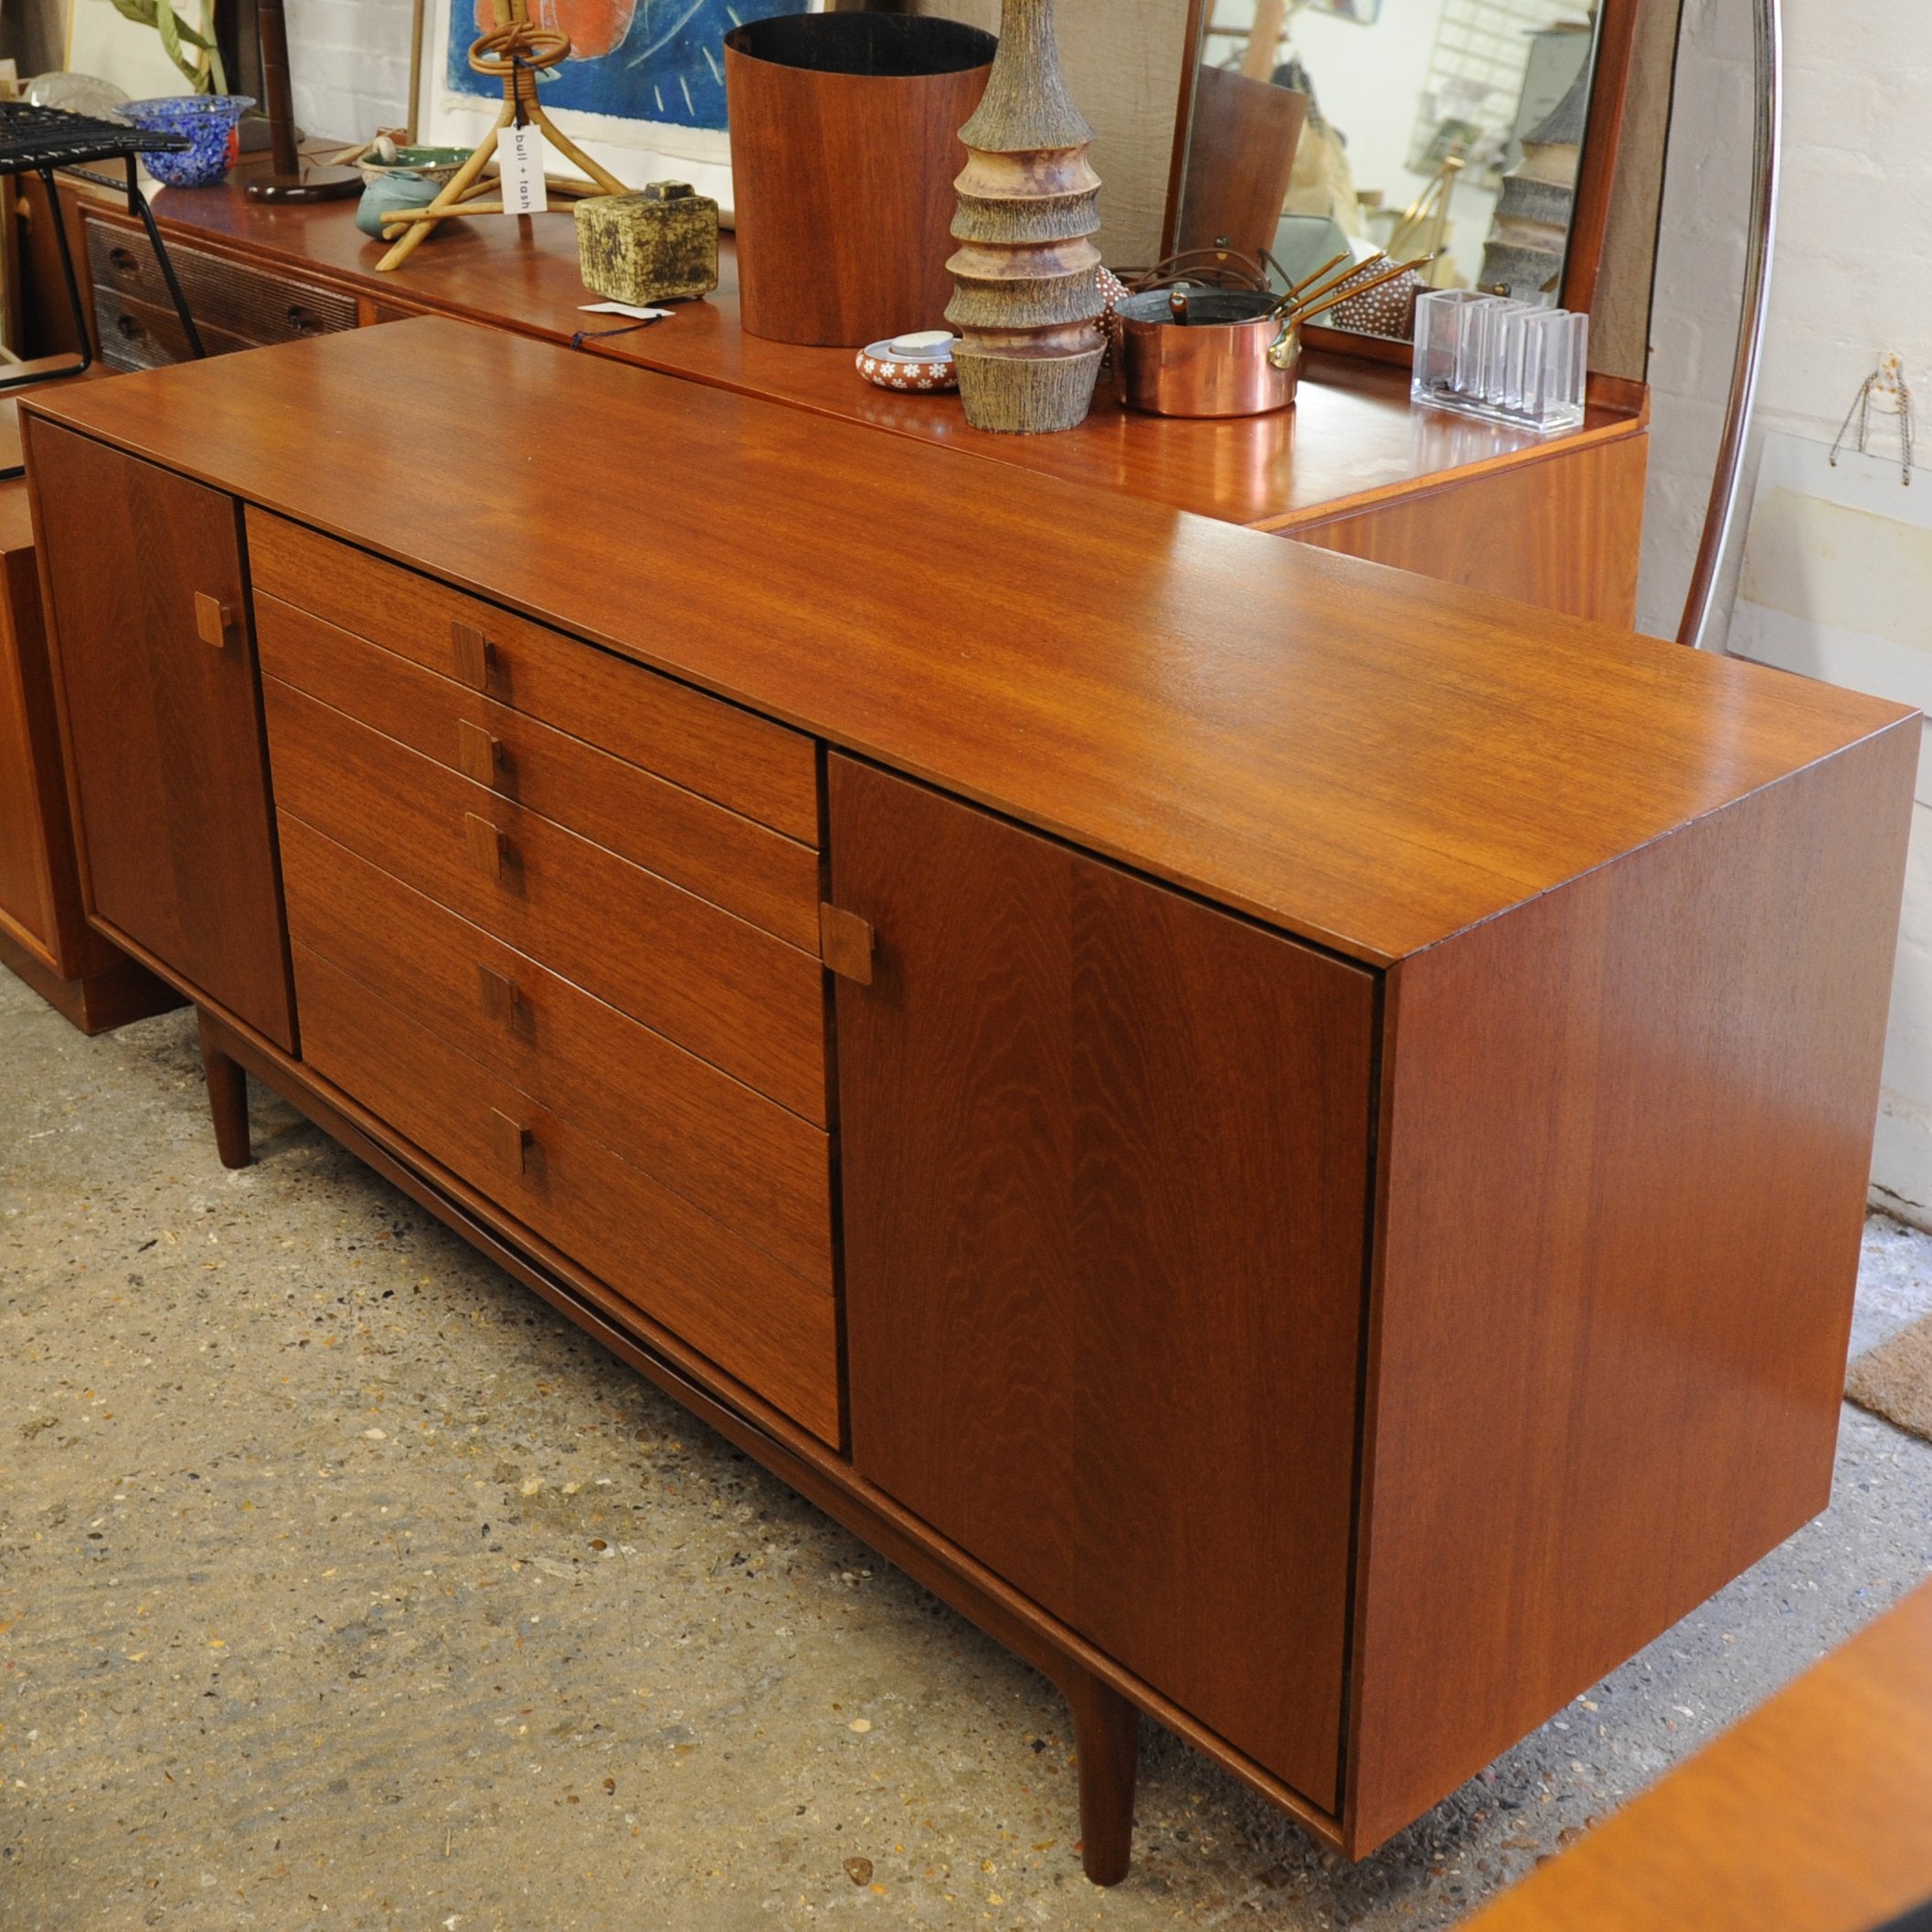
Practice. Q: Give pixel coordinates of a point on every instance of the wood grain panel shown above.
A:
(740, 761)
(756, 1320)
(746, 1160)
(1075, 1347)
(163, 733)
(1809, 1816)
(735, 862)
(1624, 1161)
(1369, 759)
(1563, 533)
(734, 995)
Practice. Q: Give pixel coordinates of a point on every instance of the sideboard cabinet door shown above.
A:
(1106, 1174)
(148, 614)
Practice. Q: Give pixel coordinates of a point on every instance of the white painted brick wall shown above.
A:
(349, 64)
(1853, 278)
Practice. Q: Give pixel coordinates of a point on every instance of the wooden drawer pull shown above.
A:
(125, 259)
(475, 655)
(478, 754)
(845, 944)
(488, 848)
(213, 619)
(511, 1140)
(499, 994)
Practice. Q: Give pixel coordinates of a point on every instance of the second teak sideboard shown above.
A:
(1289, 1138)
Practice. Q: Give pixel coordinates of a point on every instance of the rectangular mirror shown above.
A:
(1479, 134)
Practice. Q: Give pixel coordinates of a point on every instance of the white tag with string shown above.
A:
(520, 162)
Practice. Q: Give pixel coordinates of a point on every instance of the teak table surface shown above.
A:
(1352, 439)
(1814, 1814)
(1371, 760)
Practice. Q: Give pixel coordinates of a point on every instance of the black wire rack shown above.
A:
(37, 140)
(50, 137)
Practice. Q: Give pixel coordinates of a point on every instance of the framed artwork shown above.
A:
(642, 91)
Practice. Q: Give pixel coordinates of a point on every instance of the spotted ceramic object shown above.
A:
(917, 364)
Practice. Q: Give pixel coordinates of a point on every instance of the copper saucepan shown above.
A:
(1206, 352)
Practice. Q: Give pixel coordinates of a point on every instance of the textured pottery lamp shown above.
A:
(294, 179)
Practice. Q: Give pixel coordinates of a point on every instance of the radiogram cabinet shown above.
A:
(1289, 1138)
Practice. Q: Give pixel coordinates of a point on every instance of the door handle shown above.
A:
(478, 754)
(499, 994)
(489, 849)
(213, 619)
(475, 655)
(510, 1139)
(846, 943)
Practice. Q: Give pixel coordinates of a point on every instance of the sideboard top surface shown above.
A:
(1371, 760)
(1352, 439)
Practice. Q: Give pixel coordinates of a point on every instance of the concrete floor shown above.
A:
(342, 1585)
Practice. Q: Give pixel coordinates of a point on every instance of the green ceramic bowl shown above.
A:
(431, 163)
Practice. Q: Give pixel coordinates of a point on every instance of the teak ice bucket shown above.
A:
(844, 147)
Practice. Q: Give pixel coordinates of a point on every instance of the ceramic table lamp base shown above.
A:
(1026, 298)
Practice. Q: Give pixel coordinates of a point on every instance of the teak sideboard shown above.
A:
(1289, 1138)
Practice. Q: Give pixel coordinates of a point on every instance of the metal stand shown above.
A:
(39, 140)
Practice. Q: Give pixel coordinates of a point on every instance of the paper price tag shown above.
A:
(520, 161)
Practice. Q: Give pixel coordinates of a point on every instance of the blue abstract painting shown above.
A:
(659, 60)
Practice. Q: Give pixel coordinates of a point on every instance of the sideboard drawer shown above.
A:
(758, 1320)
(733, 861)
(234, 306)
(746, 1160)
(148, 336)
(745, 762)
(733, 994)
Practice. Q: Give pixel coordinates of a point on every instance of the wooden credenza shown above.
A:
(1290, 1138)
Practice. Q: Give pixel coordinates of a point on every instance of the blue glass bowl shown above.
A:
(207, 119)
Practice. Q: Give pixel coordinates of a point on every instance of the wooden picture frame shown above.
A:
(632, 146)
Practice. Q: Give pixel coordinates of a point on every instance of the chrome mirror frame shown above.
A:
(1762, 235)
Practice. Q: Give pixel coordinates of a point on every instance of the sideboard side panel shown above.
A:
(1627, 1137)
(1563, 533)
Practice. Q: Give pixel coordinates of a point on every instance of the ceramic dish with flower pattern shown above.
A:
(917, 365)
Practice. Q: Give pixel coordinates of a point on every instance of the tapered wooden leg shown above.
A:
(1107, 1748)
(228, 1101)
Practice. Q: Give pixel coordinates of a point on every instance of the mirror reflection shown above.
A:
(1443, 132)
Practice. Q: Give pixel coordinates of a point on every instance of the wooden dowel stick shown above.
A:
(1308, 282)
(1336, 282)
(570, 150)
(447, 202)
(1335, 297)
